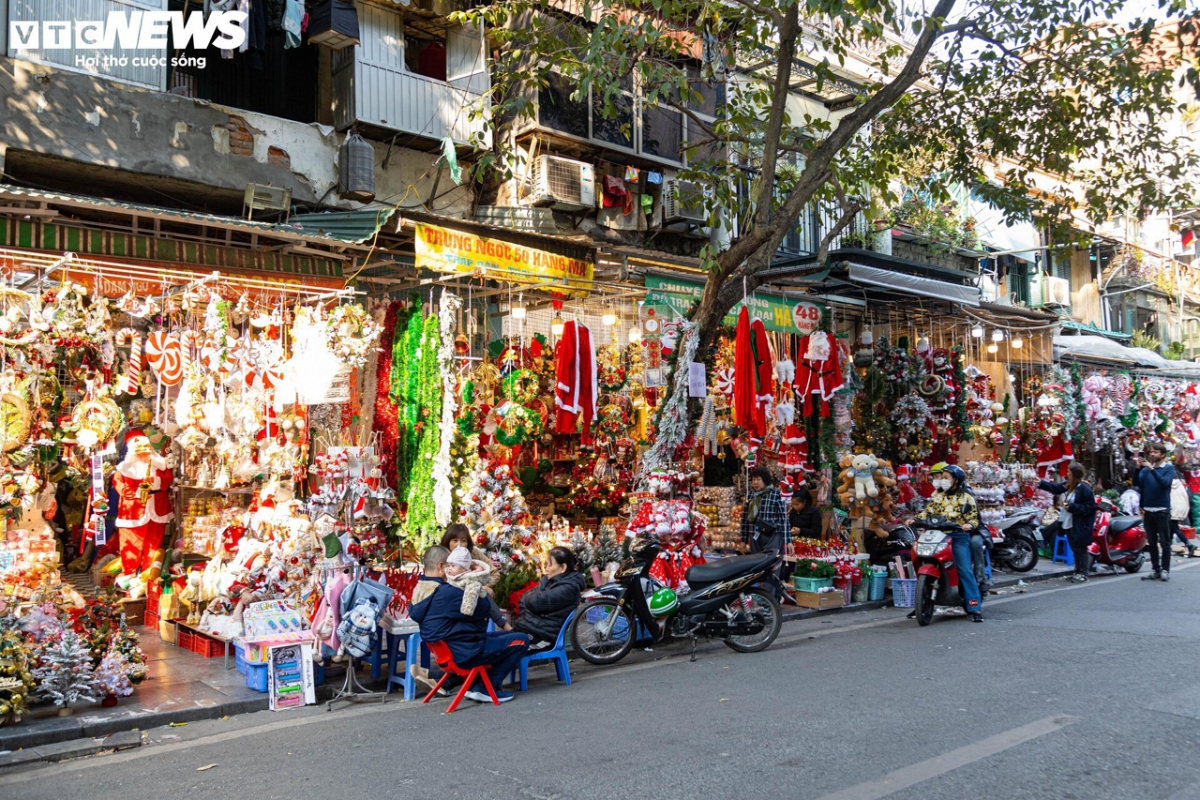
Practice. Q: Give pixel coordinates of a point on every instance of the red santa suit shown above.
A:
(753, 372)
(141, 520)
(575, 373)
(818, 371)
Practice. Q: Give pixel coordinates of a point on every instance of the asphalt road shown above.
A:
(1065, 692)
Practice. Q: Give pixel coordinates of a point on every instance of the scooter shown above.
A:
(1117, 541)
(882, 550)
(1015, 540)
(937, 575)
(733, 600)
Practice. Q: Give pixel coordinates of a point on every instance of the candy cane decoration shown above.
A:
(134, 373)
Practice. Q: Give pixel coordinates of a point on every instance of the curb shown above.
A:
(871, 605)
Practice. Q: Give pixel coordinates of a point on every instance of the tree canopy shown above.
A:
(1044, 108)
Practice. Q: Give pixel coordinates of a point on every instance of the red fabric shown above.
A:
(821, 378)
(575, 381)
(743, 374)
(1054, 460)
(764, 371)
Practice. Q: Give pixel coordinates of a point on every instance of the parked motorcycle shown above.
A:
(1117, 541)
(733, 599)
(937, 575)
(882, 550)
(1015, 540)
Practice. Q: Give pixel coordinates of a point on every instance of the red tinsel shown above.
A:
(514, 599)
(386, 414)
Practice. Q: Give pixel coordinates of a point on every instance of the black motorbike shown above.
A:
(1015, 540)
(882, 550)
(733, 600)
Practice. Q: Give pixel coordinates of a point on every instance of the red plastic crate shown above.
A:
(207, 646)
(153, 592)
(150, 619)
(184, 638)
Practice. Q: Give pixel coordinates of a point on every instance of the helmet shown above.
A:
(663, 602)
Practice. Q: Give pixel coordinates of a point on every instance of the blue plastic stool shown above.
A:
(401, 672)
(1062, 551)
(557, 654)
(379, 656)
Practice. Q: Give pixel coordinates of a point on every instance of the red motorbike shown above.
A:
(1117, 541)
(937, 575)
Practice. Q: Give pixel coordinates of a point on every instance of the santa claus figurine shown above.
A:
(143, 484)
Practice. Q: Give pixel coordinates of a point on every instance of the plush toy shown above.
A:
(863, 466)
(190, 596)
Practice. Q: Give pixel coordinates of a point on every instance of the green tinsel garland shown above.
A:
(1080, 433)
(421, 522)
(961, 421)
(405, 373)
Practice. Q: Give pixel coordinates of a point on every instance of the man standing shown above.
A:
(1154, 480)
(437, 609)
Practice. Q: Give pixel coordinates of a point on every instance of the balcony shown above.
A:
(396, 100)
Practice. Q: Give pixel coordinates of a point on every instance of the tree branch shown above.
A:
(789, 32)
(764, 11)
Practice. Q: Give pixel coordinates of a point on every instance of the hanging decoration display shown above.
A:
(443, 489)
(911, 421)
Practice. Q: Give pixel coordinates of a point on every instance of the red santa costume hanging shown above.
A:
(143, 485)
(753, 370)
(575, 374)
(818, 372)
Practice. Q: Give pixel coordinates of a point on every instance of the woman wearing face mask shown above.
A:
(954, 502)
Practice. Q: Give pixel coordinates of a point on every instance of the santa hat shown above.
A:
(786, 489)
(270, 428)
(134, 433)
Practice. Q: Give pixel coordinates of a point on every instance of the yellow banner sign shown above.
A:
(453, 251)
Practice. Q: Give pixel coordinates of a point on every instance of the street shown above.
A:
(1066, 691)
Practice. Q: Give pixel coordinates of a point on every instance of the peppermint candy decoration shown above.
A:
(725, 382)
(164, 355)
(133, 371)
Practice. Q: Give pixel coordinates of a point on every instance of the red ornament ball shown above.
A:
(481, 539)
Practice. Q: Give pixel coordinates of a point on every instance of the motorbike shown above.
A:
(1117, 541)
(734, 599)
(1015, 540)
(882, 550)
(937, 575)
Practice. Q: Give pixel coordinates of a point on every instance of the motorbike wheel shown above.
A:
(925, 606)
(763, 602)
(1136, 565)
(603, 631)
(1024, 553)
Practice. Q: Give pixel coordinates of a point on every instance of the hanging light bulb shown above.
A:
(556, 325)
(991, 348)
(635, 333)
(518, 310)
(977, 331)
(610, 317)
(997, 335)
(1017, 343)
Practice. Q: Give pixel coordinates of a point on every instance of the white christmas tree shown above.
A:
(65, 675)
(112, 676)
(495, 511)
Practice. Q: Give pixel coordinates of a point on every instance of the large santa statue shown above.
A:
(143, 484)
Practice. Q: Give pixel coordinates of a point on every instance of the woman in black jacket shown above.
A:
(1081, 506)
(545, 607)
(803, 517)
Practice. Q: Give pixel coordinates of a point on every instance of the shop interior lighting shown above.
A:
(997, 335)
(518, 309)
(991, 348)
(556, 325)
(635, 333)
(1017, 343)
(610, 317)
(977, 331)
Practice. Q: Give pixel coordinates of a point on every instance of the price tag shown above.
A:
(99, 532)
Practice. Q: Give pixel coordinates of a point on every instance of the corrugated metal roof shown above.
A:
(335, 227)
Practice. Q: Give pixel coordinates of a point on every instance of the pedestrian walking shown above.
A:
(1154, 479)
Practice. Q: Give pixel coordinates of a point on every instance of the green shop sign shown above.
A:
(777, 313)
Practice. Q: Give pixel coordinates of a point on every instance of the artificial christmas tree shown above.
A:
(65, 671)
(16, 683)
(125, 642)
(494, 509)
(112, 677)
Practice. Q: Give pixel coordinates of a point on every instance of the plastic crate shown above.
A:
(904, 592)
(184, 638)
(810, 584)
(206, 646)
(597, 615)
(256, 676)
(151, 619)
(154, 591)
(239, 661)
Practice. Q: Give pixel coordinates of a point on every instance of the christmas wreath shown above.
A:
(521, 386)
(910, 420)
(516, 424)
(352, 334)
(613, 420)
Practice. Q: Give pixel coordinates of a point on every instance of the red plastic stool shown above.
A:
(441, 652)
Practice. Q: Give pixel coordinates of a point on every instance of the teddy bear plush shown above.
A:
(863, 466)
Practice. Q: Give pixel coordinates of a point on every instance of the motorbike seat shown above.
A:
(1122, 524)
(726, 568)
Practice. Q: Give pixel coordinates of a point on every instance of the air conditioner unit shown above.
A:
(683, 201)
(564, 184)
(1056, 292)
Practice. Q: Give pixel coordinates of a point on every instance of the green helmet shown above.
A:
(663, 602)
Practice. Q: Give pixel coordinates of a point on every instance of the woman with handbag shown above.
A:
(1078, 516)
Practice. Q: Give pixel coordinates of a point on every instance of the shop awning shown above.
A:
(1072, 325)
(914, 284)
(1099, 348)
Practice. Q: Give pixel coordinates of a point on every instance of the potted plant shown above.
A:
(856, 240)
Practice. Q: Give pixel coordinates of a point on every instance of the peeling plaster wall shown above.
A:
(102, 123)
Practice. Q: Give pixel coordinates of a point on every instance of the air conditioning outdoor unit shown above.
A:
(683, 201)
(1056, 292)
(564, 184)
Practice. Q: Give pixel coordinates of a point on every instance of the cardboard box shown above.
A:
(134, 610)
(168, 631)
(820, 600)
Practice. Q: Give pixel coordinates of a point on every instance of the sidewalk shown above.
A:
(185, 687)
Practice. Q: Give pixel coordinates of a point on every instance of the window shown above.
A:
(617, 129)
(662, 133)
(558, 112)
